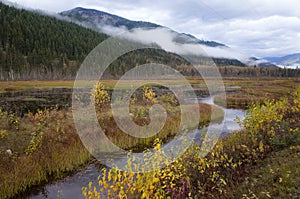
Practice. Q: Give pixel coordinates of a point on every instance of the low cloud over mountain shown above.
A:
(147, 32)
(289, 61)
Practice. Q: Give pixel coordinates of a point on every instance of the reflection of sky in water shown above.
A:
(231, 115)
(71, 186)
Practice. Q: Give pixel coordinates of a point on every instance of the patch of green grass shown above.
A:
(277, 176)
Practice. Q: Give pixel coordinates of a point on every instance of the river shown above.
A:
(70, 187)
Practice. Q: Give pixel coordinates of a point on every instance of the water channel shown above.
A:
(71, 186)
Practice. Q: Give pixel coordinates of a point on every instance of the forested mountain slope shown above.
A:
(35, 46)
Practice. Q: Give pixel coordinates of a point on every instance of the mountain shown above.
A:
(37, 46)
(292, 60)
(96, 19)
(34, 45)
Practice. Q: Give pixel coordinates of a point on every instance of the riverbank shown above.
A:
(46, 147)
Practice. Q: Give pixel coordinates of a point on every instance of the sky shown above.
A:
(258, 28)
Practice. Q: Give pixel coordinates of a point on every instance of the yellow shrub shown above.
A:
(3, 134)
(149, 95)
(100, 95)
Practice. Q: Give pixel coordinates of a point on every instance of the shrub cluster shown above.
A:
(268, 126)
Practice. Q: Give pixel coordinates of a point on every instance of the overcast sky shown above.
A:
(255, 27)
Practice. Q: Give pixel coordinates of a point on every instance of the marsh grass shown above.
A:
(59, 152)
(169, 131)
(46, 146)
(237, 101)
(247, 91)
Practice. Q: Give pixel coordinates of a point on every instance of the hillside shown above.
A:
(35, 46)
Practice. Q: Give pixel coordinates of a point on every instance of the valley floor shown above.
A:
(47, 144)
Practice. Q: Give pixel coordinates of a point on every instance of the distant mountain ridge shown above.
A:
(96, 17)
(288, 60)
(104, 18)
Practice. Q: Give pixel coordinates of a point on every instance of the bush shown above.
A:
(149, 95)
(100, 95)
